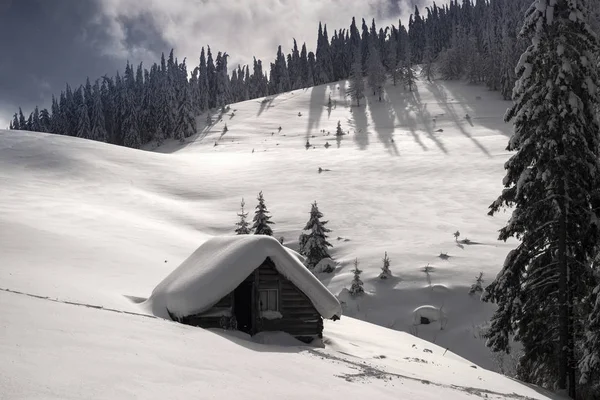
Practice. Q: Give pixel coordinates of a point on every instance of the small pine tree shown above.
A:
(262, 219)
(315, 242)
(243, 226)
(338, 130)
(477, 287)
(385, 269)
(357, 285)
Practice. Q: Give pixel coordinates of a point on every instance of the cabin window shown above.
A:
(268, 299)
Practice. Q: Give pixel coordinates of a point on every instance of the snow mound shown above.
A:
(219, 265)
(428, 313)
(325, 265)
(440, 288)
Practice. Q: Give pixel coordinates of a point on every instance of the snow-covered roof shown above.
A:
(219, 265)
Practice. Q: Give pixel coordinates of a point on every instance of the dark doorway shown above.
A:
(242, 307)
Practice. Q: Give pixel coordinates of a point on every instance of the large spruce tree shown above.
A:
(314, 243)
(551, 182)
(262, 219)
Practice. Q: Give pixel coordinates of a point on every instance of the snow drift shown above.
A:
(218, 266)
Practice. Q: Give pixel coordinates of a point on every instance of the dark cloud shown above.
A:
(48, 43)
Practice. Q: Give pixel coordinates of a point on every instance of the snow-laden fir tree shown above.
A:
(243, 226)
(550, 184)
(315, 243)
(409, 76)
(83, 126)
(356, 288)
(376, 72)
(385, 269)
(428, 68)
(15, 122)
(357, 83)
(98, 125)
(262, 219)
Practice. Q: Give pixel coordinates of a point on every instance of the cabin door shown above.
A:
(242, 307)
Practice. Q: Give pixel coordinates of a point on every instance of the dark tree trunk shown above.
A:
(563, 305)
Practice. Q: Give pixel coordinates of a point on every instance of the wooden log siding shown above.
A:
(299, 316)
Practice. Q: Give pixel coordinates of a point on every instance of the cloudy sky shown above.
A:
(47, 43)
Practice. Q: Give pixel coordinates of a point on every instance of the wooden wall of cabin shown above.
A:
(213, 317)
(299, 316)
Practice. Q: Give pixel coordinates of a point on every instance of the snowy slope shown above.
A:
(52, 350)
(91, 223)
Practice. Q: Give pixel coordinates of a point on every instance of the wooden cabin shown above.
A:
(267, 297)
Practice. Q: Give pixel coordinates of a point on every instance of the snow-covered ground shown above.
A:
(94, 224)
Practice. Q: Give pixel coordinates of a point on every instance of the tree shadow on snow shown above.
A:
(383, 117)
(360, 124)
(315, 108)
(440, 94)
(482, 104)
(266, 103)
(410, 113)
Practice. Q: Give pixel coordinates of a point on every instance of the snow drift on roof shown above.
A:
(218, 266)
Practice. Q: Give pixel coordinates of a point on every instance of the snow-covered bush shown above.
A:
(385, 269)
(325, 265)
(477, 287)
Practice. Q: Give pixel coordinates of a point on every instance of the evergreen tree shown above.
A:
(15, 122)
(262, 219)
(551, 183)
(22, 122)
(385, 269)
(89, 100)
(376, 72)
(315, 242)
(131, 133)
(409, 76)
(36, 124)
(203, 82)
(356, 287)
(392, 61)
(84, 129)
(243, 226)
(357, 83)
(98, 125)
(338, 130)
(45, 121)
